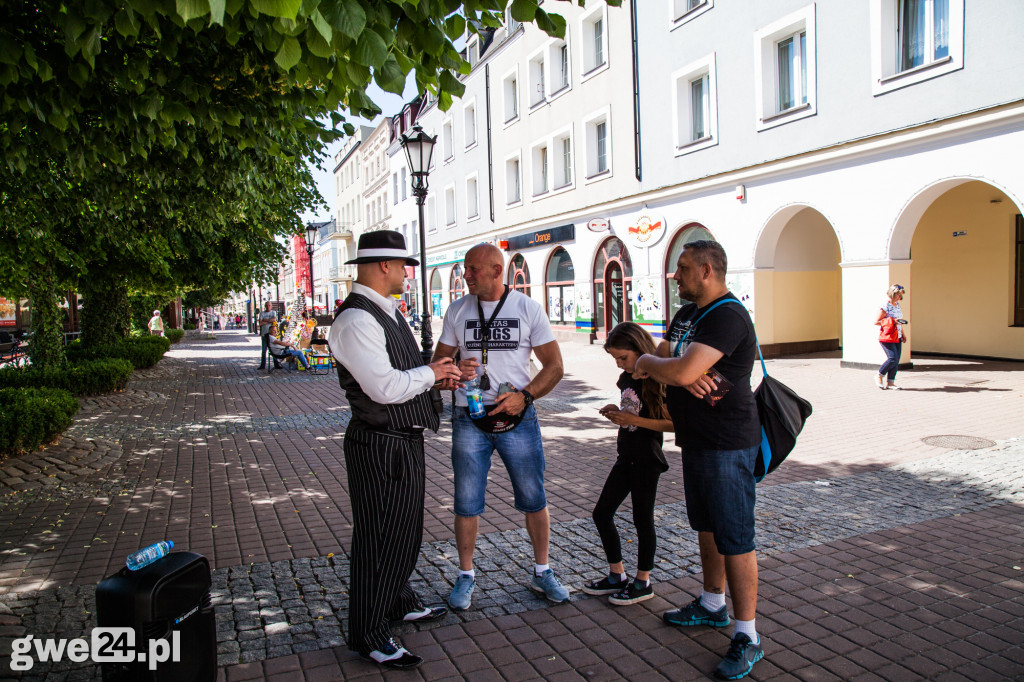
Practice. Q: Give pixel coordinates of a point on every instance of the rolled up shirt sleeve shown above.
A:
(358, 342)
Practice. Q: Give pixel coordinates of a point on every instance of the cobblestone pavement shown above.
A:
(202, 442)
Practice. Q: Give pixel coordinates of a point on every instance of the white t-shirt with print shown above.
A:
(519, 327)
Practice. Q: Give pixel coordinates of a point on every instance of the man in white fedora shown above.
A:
(388, 387)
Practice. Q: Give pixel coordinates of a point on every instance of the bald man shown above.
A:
(495, 330)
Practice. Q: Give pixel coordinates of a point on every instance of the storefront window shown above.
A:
(689, 233)
(561, 280)
(435, 293)
(457, 288)
(613, 283)
(519, 274)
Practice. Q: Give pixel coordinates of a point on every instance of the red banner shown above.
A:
(301, 263)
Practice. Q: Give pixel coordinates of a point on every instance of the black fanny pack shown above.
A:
(496, 423)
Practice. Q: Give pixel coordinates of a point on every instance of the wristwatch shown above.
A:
(527, 398)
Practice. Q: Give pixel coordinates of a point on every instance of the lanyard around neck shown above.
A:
(485, 328)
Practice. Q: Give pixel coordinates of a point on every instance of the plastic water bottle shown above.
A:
(475, 398)
(144, 557)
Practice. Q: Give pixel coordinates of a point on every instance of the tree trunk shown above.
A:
(106, 316)
(46, 348)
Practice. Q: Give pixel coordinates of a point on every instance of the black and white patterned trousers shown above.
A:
(385, 481)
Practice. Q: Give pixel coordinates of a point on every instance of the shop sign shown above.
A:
(599, 225)
(8, 310)
(644, 230)
(554, 235)
(446, 257)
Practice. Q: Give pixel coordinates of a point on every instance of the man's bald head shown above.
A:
(483, 267)
(487, 253)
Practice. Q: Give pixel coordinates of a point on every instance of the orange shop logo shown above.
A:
(646, 228)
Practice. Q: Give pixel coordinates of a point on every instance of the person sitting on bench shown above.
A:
(286, 348)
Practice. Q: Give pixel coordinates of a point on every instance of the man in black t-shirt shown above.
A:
(705, 361)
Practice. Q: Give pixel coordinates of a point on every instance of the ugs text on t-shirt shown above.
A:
(503, 335)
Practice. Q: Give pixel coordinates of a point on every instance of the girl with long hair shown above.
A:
(641, 417)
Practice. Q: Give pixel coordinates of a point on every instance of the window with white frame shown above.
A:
(449, 205)
(513, 181)
(915, 40)
(785, 70)
(511, 24)
(563, 160)
(473, 51)
(431, 214)
(593, 39)
(537, 91)
(472, 198)
(597, 140)
(684, 10)
(405, 186)
(539, 155)
(394, 181)
(695, 110)
(791, 60)
(447, 141)
(510, 94)
(558, 58)
(469, 114)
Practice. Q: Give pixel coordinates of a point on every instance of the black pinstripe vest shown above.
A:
(404, 355)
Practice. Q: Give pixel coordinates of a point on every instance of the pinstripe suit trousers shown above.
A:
(385, 481)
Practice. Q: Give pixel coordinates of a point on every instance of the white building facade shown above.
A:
(832, 148)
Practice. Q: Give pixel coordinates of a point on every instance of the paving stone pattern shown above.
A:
(203, 439)
(267, 610)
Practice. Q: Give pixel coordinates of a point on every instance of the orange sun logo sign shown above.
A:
(645, 228)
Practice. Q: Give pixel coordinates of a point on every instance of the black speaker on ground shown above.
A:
(167, 600)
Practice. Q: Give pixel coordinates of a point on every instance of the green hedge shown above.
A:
(30, 417)
(188, 326)
(87, 377)
(174, 335)
(141, 351)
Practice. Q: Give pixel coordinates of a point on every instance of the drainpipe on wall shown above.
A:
(636, 93)
(490, 161)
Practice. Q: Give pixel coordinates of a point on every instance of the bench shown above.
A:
(11, 354)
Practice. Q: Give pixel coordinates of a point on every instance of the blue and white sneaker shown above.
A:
(547, 584)
(462, 593)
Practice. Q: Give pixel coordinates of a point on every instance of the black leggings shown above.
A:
(640, 481)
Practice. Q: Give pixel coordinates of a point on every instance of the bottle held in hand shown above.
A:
(144, 557)
(475, 399)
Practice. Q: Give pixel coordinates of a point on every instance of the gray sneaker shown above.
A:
(462, 593)
(547, 584)
(740, 660)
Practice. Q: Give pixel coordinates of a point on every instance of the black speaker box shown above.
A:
(170, 600)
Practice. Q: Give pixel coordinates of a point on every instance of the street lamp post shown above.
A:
(310, 241)
(419, 147)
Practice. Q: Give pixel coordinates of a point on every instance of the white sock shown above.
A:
(471, 573)
(645, 583)
(747, 628)
(712, 601)
(378, 656)
(413, 615)
(616, 577)
(538, 569)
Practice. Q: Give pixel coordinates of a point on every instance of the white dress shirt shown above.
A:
(357, 341)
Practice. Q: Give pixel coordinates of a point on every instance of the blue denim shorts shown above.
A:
(720, 496)
(520, 449)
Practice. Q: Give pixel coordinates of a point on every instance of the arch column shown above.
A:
(864, 287)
